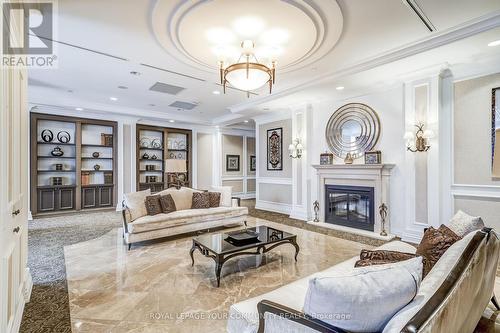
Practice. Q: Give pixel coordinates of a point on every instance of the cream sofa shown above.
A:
(451, 298)
(183, 220)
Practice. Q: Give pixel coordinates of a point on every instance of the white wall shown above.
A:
(274, 187)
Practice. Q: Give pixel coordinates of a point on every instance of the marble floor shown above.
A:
(153, 287)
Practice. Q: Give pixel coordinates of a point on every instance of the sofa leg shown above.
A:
(245, 223)
(129, 246)
(495, 302)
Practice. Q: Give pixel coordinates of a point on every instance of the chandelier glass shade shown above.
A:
(247, 73)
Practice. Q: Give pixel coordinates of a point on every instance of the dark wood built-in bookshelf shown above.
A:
(80, 184)
(171, 143)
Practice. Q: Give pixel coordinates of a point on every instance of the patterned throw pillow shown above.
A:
(380, 257)
(153, 206)
(434, 244)
(214, 199)
(463, 223)
(200, 200)
(167, 204)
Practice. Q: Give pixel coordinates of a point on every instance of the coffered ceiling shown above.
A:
(176, 45)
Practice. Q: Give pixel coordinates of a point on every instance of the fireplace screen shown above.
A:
(350, 206)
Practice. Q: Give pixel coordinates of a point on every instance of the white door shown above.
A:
(15, 280)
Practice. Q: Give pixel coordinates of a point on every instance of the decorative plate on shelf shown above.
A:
(156, 143)
(145, 143)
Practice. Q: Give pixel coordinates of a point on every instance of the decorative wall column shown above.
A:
(428, 100)
(301, 166)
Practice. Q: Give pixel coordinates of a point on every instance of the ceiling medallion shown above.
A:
(247, 73)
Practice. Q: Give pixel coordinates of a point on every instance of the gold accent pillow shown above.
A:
(434, 244)
(380, 257)
(167, 204)
(200, 200)
(153, 206)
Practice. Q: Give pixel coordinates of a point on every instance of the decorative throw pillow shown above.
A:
(225, 195)
(153, 206)
(434, 244)
(135, 204)
(363, 299)
(214, 199)
(167, 204)
(463, 223)
(200, 200)
(380, 257)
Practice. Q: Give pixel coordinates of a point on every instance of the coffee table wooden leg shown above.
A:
(297, 248)
(191, 253)
(219, 261)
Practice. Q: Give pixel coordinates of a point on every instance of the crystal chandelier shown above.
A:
(247, 73)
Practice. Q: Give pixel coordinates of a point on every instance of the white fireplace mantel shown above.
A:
(368, 175)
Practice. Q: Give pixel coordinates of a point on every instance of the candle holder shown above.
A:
(383, 214)
(316, 210)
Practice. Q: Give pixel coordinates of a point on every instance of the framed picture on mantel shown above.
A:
(275, 149)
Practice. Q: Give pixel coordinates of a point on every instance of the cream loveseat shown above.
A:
(451, 298)
(138, 226)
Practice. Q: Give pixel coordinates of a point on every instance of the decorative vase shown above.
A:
(59, 167)
(97, 167)
(145, 156)
(154, 157)
(57, 152)
(348, 158)
(95, 154)
(47, 135)
(63, 137)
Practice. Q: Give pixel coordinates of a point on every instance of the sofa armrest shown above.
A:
(125, 217)
(293, 315)
(235, 202)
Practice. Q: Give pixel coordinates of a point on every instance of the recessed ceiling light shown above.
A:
(494, 43)
(171, 121)
(79, 109)
(70, 91)
(216, 92)
(122, 87)
(113, 98)
(340, 88)
(246, 121)
(135, 73)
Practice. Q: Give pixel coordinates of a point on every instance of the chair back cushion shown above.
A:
(136, 205)
(226, 193)
(183, 197)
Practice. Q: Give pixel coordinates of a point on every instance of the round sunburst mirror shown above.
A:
(354, 128)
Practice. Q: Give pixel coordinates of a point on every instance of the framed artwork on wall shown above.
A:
(275, 149)
(232, 162)
(253, 163)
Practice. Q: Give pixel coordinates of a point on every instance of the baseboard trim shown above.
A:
(24, 297)
(299, 214)
(276, 207)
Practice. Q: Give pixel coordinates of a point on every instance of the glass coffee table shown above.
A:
(250, 241)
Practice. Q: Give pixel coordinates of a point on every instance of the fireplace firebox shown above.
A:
(350, 206)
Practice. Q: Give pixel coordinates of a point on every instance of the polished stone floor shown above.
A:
(153, 287)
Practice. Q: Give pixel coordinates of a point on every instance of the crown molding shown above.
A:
(464, 30)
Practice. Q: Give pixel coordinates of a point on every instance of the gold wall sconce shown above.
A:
(421, 138)
(295, 149)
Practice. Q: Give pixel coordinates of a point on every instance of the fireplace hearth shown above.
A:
(350, 206)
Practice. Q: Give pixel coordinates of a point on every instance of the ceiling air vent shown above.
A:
(183, 105)
(166, 88)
